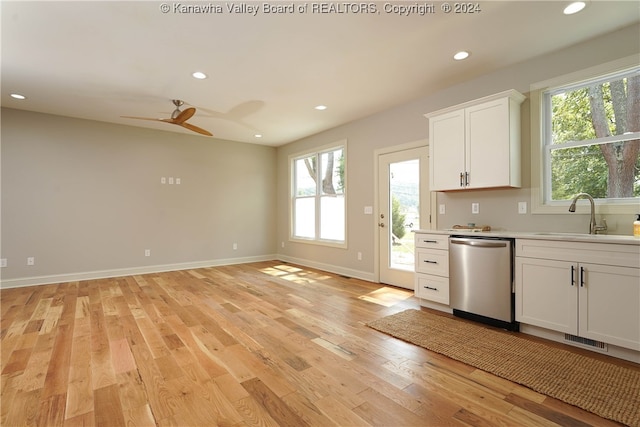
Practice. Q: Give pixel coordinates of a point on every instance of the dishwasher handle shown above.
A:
(481, 243)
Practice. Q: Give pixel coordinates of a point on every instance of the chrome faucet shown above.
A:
(593, 226)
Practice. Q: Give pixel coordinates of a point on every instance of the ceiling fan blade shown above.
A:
(178, 118)
(195, 129)
(184, 116)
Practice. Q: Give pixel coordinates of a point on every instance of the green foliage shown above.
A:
(581, 169)
(397, 227)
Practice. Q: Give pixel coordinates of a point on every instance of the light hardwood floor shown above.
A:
(262, 344)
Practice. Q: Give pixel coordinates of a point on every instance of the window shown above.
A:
(318, 207)
(590, 140)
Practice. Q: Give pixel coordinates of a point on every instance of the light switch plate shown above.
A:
(443, 209)
(475, 208)
(368, 210)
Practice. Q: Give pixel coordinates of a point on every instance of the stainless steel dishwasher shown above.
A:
(481, 280)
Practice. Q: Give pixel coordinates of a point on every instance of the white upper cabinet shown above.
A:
(476, 144)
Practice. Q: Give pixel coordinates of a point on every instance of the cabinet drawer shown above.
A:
(432, 288)
(432, 261)
(432, 241)
(596, 253)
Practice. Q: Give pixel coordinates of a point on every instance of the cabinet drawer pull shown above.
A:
(430, 262)
(430, 288)
(429, 241)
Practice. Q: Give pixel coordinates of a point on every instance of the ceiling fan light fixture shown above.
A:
(18, 96)
(574, 7)
(463, 54)
(199, 75)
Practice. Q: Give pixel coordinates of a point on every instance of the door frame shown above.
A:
(425, 194)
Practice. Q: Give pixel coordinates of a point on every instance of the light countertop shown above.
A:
(542, 235)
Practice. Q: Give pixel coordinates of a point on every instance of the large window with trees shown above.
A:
(591, 139)
(318, 208)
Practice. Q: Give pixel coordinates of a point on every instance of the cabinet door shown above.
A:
(488, 148)
(609, 305)
(446, 151)
(546, 294)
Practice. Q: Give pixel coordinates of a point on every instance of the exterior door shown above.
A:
(403, 206)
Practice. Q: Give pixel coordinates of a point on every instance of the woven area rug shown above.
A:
(603, 388)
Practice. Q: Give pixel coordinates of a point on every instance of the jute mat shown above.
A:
(597, 386)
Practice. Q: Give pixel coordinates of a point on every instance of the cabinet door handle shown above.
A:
(461, 179)
(573, 275)
(430, 262)
(467, 182)
(582, 277)
(430, 288)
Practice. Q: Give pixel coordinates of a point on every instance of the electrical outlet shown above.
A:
(443, 210)
(359, 256)
(475, 208)
(31, 261)
(163, 180)
(3, 263)
(178, 181)
(522, 207)
(282, 244)
(147, 252)
(235, 246)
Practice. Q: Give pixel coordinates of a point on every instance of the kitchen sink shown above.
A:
(554, 233)
(603, 238)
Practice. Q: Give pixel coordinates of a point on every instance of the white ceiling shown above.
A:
(101, 60)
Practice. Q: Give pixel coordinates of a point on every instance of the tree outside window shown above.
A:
(318, 208)
(593, 138)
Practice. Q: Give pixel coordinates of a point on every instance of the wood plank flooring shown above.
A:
(262, 344)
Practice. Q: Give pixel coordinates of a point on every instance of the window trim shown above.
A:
(538, 129)
(340, 144)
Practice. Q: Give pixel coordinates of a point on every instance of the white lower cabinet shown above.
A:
(574, 288)
(432, 267)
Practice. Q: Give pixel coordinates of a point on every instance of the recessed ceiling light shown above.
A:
(574, 7)
(257, 135)
(320, 107)
(199, 75)
(461, 55)
(18, 96)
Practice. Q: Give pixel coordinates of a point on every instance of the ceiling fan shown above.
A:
(178, 117)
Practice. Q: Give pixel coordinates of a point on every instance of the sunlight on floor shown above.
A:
(386, 296)
(294, 274)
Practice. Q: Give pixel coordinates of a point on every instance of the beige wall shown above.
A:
(85, 197)
(406, 123)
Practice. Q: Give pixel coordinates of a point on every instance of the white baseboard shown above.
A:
(348, 272)
(103, 274)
